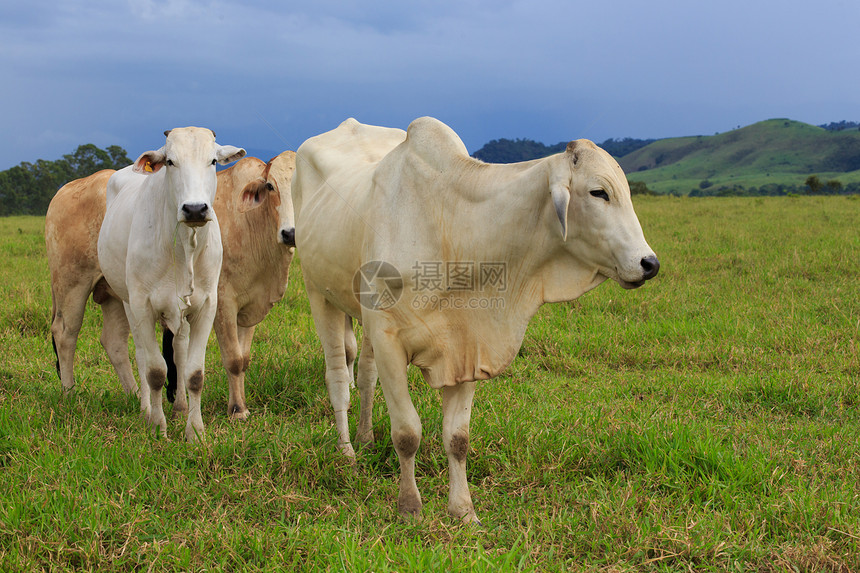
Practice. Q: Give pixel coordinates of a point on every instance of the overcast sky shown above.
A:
(267, 74)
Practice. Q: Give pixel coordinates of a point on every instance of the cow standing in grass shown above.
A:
(395, 228)
(160, 252)
(71, 240)
(255, 215)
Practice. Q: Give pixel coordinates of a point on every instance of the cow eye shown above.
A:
(170, 163)
(601, 194)
(270, 187)
(214, 161)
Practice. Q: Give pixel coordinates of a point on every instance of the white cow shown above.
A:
(444, 259)
(160, 252)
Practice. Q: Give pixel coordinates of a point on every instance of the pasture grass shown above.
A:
(706, 422)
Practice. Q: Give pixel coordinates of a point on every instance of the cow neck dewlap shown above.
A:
(184, 284)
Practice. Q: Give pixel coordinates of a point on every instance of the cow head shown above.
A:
(188, 158)
(592, 200)
(273, 188)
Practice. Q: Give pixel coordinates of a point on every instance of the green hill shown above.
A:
(776, 152)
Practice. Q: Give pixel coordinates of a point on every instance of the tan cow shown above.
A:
(71, 236)
(257, 254)
(445, 259)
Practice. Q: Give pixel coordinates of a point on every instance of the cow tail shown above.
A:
(56, 355)
(167, 352)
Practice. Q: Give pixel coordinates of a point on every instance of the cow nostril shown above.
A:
(288, 236)
(195, 211)
(650, 267)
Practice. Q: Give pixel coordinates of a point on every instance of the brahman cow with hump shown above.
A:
(160, 252)
(444, 259)
(255, 214)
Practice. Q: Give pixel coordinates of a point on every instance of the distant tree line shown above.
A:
(516, 150)
(812, 186)
(840, 125)
(28, 188)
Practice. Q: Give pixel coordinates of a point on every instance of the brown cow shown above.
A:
(256, 265)
(257, 254)
(71, 236)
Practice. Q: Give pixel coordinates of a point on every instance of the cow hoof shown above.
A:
(409, 506)
(465, 514)
(178, 413)
(237, 413)
(194, 435)
(347, 451)
(158, 431)
(364, 438)
(410, 516)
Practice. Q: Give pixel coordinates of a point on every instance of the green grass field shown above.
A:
(709, 421)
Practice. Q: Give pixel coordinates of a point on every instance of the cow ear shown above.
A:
(560, 200)
(149, 162)
(228, 154)
(254, 194)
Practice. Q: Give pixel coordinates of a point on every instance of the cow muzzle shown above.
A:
(288, 236)
(649, 266)
(195, 214)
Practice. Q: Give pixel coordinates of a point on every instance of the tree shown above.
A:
(813, 184)
(28, 188)
(118, 157)
(834, 186)
(639, 188)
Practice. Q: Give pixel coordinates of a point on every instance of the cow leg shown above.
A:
(366, 388)
(457, 411)
(114, 339)
(69, 304)
(405, 423)
(329, 322)
(246, 337)
(350, 348)
(140, 357)
(200, 327)
(227, 333)
(150, 364)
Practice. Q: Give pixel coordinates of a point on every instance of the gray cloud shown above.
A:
(268, 74)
